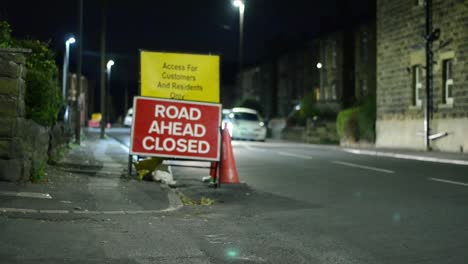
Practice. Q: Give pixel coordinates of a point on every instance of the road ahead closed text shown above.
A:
(168, 128)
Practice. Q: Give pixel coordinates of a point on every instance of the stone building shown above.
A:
(280, 83)
(365, 61)
(258, 83)
(401, 74)
(296, 77)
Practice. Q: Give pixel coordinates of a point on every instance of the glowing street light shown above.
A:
(65, 66)
(66, 59)
(109, 65)
(241, 6)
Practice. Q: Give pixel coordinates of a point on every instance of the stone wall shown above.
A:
(315, 132)
(23, 143)
(400, 46)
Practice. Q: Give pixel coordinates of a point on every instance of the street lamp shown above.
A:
(66, 58)
(241, 5)
(109, 65)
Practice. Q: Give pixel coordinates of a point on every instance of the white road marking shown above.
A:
(282, 153)
(44, 211)
(288, 154)
(27, 195)
(54, 211)
(448, 181)
(363, 167)
(406, 156)
(18, 210)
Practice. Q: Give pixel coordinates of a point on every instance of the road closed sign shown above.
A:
(179, 76)
(175, 129)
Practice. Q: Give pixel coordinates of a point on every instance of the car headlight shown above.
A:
(230, 126)
(261, 124)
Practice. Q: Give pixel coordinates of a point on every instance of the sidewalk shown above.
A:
(91, 178)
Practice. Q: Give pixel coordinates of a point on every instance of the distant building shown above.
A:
(83, 99)
(337, 68)
(334, 68)
(401, 74)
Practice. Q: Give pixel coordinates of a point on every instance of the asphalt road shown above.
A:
(331, 206)
(300, 204)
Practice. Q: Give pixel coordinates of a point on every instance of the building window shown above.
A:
(364, 47)
(333, 91)
(362, 90)
(333, 62)
(417, 85)
(447, 76)
(419, 2)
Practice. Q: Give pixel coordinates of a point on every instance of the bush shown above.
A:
(42, 96)
(347, 124)
(5, 35)
(358, 123)
(309, 109)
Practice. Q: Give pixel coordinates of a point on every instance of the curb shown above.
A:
(405, 156)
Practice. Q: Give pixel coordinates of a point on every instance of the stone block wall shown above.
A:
(400, 46)
(315, 132)
(23, 143)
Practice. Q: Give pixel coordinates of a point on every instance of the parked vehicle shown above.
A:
(244, 123)
(128, 118)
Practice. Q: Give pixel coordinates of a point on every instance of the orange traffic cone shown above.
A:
(228, 170)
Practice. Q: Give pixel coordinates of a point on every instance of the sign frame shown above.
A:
(178, 157)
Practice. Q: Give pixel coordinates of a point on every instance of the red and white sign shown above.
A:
(175, 129)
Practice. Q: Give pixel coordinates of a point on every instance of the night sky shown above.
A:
(202, 26)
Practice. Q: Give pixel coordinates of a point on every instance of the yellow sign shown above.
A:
(180, 76)
(96, 116)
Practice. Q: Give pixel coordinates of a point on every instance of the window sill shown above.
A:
(414, 107)
(445, 106)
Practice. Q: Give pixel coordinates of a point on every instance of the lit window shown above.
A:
(448, 82)
(417, 85)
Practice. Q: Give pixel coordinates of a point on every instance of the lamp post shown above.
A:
(241, 5)
(109, 65)
(66, 59)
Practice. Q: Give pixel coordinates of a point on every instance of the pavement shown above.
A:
(91, 178)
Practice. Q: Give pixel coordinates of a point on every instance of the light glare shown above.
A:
(237, 3)
(110, 63)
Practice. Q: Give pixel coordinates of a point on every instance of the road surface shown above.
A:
(340, 207)
(301, 204)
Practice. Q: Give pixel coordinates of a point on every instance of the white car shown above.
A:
(245, 123)
(128, 118)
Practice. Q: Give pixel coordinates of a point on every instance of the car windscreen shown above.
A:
(246, 116)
